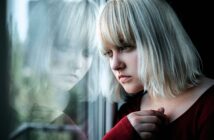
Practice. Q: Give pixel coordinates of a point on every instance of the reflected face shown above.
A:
(68, 66)
(123, 63)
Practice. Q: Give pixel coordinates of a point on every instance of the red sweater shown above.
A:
(197, 123)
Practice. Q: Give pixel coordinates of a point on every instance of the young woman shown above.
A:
(154, 61)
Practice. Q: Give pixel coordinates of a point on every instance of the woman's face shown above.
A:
(123, 63)
(68, 66)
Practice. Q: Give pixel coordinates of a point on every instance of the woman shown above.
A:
(154, 61)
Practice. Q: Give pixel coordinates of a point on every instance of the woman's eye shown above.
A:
(108, 53)
(86, 53)
(124, 48)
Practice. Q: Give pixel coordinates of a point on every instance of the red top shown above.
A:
(197, 123)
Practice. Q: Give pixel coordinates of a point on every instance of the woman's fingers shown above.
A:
(150, 119)
(146, 135)
(147, 122)
(159, 113)
(147, 127)
(161, 110)
(152, 115)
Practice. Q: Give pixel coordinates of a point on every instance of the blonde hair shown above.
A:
(56, 20)
(167, 59)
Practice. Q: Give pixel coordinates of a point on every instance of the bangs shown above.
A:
(115, 26)
(76, 22)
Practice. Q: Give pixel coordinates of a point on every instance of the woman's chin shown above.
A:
(133, 90)
(63, 86)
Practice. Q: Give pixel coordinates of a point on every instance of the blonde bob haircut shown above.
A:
(168, 62)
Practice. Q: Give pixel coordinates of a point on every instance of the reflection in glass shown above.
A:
(53, 59)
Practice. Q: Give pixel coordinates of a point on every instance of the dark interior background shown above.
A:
(197, 18)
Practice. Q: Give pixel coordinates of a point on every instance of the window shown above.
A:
(54, 62)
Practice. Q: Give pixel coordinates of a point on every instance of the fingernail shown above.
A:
(161, 110)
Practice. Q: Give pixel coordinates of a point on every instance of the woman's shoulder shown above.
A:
(206, 98)
(205, 110)
(207, 88)
(205, 102)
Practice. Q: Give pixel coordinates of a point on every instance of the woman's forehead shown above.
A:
(108, 46)
(70, 44)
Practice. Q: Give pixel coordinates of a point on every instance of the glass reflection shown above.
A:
(55, 56)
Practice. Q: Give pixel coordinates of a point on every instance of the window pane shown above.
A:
(53, 67)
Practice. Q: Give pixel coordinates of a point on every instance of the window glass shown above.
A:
(54, 67)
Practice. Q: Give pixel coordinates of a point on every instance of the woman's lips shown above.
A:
(124, 78)
(68, 77)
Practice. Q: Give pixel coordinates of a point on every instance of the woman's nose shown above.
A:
(75, 61)
(117, 63)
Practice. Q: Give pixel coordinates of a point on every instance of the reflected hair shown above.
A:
(168, 62)
(56, 24)
(48, 18)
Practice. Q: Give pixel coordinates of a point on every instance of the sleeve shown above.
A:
(123, 130)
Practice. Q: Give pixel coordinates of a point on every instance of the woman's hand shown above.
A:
(147, 122)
